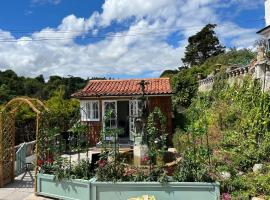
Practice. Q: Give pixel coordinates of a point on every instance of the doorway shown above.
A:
(123, 118)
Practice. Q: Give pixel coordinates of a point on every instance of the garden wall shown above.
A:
(92, 190)
(259, 70)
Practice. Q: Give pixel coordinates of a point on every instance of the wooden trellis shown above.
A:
(7, 134)
(7, 151)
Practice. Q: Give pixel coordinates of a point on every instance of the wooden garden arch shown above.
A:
(7, 134)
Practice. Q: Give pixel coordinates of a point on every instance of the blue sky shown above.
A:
(115, 38)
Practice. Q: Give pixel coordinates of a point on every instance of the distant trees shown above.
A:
(202, 46)
(12, 85)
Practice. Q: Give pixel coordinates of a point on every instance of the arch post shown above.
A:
(7, 136)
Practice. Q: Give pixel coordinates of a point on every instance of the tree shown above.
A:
(185, 82)
(202, 46)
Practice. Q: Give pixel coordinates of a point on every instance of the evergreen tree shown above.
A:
(202, 45)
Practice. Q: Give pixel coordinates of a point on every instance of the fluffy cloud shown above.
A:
(140, 50)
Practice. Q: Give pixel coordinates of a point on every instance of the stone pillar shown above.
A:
(140, 153)
(267, 82)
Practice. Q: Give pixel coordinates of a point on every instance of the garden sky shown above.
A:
(115, 38)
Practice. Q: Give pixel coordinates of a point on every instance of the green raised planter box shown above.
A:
(65, 189)
(92, 190)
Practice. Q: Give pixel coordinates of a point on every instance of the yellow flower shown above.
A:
(144, 197)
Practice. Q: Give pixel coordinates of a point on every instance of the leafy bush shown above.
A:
(181, 140)
(184, 83)
(194, 167)
(236, 118)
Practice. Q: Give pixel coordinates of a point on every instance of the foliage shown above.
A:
(110, 170)
(156, 135)
(236, 118)
(168, 73)
(112, 167)
(12, 85)
(181, 140)
(62, 169)
(79, 130)
(62, 110)
(50, 158)
(185, 82)
(251, 184)
(202, 45)
(194, 167)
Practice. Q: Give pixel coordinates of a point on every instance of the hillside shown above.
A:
(184, 80)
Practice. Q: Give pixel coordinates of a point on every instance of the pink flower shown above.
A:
(129, 171)
(145, 159)
(226, 196)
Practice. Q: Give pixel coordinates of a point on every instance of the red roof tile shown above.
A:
(154, 86)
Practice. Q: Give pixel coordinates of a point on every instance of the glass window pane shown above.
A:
(88, 110)
(113, 123)
(95, 110)
(96, 114)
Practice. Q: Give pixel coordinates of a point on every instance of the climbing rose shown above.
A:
(40, 162)
(145, 159)
(101, 163)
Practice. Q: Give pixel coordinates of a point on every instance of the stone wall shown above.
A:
(259, 70)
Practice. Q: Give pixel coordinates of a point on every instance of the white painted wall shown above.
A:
(267, 12)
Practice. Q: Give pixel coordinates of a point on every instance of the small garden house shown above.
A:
(122, 97)
(265, 32)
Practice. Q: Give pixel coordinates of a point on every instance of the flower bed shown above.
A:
(92, 190)
(117, 179)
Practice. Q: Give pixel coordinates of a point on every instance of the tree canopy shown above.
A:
(185, 83)
(12, 85)
(202, 46)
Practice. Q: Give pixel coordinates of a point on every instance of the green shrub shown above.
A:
(180, 140)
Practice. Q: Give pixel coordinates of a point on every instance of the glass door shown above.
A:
(112, 121)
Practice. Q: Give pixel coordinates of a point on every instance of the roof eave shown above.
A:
(119, 96)
(265, 29)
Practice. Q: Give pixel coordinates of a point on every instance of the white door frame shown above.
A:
(103, 111)
(136, 111)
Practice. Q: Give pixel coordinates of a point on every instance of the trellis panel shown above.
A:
(7, 151)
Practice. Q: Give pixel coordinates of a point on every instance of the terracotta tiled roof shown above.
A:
(154, 86)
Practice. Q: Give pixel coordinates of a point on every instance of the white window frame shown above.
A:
(103, 111)
(84, 111)
(134, 112)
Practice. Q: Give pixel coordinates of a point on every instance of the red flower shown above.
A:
(101, 163)
(170, 170)
(39, 162)
(145, 159)
(49, 160)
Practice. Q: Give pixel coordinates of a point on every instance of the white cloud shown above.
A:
(141, 49)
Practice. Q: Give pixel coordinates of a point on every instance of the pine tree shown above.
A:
(202, 45)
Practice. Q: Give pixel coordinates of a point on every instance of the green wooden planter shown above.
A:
(92, 190)
(65, 189)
